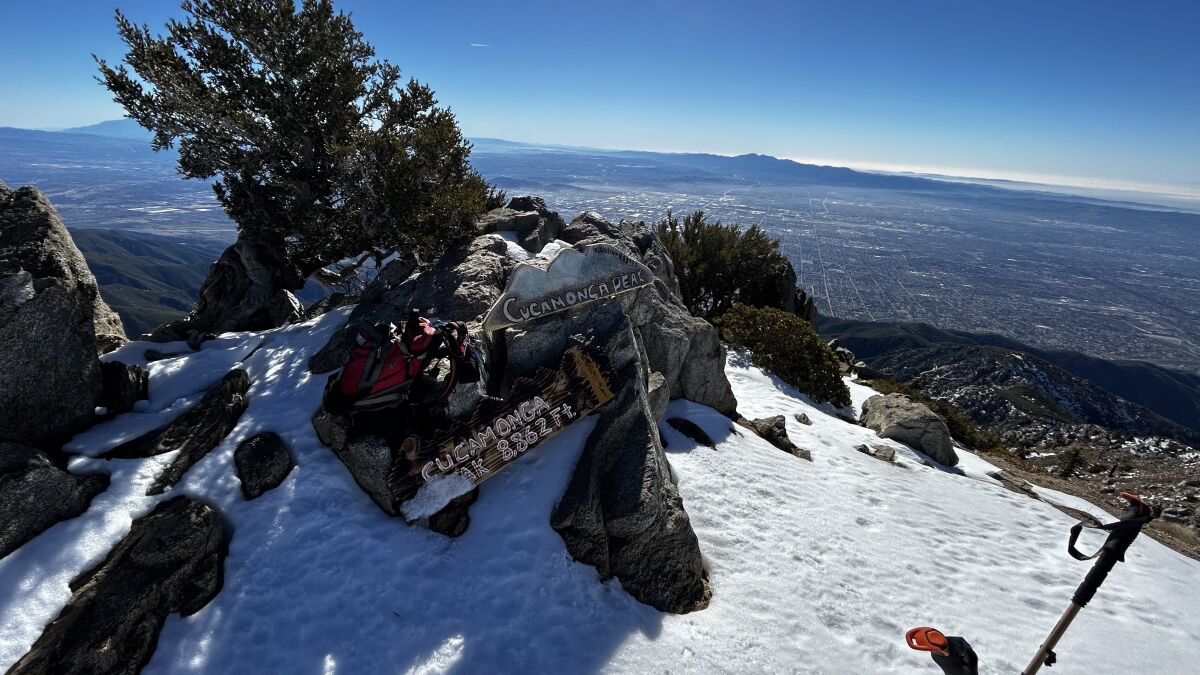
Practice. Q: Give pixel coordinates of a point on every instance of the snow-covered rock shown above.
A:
(169, 562)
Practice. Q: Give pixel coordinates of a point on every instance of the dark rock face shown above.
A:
(35, 494)
(50, 316)
(622, 512)
(193, 433)
(774, 431)
(455, 518)
(900, 418)
(368, 458)
(122, 385)
(691, 430)
(248, 288)
(171, 561)
(861, 369)
(805, 308)
(262, 463)
(588, 225)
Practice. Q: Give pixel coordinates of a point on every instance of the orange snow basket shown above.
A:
(926, 639)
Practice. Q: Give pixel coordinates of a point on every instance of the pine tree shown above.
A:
(316, 147)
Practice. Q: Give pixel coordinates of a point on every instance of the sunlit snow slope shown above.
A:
(816, 567)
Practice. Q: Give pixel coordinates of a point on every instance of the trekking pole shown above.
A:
(1120, 535)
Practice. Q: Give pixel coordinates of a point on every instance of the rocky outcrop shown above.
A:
(193, 433)
(51, 313)
(685, 350)
(248, 288)
(805, 307)
(534, 224)
(35, 494)
(621, 511)
(170, 562)
(774, 431)
(900, 418)
(455, 518)
(122, 385)
(865, 372)
(262, 463)
(462, 285)
(368, 458)
(884, 453)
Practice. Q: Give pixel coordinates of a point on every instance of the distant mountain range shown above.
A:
(122, 128)
(909, 350)
(758, 167)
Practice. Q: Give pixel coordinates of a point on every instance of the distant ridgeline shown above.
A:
(150, 280)
(1173, 394)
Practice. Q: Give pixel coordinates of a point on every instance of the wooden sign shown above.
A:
(499, 432)
(574, 277)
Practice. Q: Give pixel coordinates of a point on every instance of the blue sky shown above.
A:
(1023, 89)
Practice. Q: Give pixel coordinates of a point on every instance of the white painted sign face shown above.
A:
(574, 277)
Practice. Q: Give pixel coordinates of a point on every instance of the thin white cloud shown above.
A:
(478, 44)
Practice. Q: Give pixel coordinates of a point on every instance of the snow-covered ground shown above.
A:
(816, 567)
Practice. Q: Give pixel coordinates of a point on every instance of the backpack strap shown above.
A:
(454, 339)
(383, 337)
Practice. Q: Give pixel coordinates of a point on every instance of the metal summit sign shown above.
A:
(573, 278)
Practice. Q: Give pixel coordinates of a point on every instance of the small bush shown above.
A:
(720, 265)
(962, 428)
(787, 346)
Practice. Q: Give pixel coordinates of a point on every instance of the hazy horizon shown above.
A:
(1098, 95)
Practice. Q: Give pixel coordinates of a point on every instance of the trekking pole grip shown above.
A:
(1120, 535)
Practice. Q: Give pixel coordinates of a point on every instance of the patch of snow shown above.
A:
(815, 566)
(434, 495)
(513, 239)
(551, 249)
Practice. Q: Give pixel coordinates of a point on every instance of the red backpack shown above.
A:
(386, 368)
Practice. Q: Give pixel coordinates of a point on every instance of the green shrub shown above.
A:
(962, 427)
(787, 346)
(720, 265)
